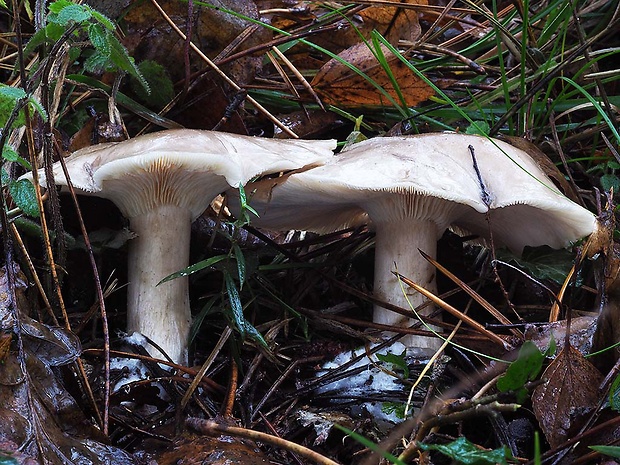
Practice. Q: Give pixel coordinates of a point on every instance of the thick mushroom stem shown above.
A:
(162, 313)
(397, 242)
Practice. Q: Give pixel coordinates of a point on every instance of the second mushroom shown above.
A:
(413, 188)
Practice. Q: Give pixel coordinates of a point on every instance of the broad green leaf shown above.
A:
(465, 452)
(396, 408)
(98, 37)
(609, 182)
(9, 98)
(543, 262)
(38, 38)
(73, 13)
(54, 31)
(525, 368)
(9, 154)
(201, 265)
(479, 128)
(97, 62)
(397, 361)
(57, 6)
(25, 197)
(611, 451)
(158, 78)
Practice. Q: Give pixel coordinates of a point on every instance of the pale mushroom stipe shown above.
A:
(161, 182)
(412, 189)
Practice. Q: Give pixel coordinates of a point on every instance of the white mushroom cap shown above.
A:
(200, 164)
(412, 189)
(527, 209)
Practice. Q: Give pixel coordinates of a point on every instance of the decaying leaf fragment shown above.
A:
(338, 84)
(569, 394)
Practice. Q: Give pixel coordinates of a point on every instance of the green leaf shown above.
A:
(73, 13)
(543, 262)
(194, 268)
(9, 154)
(614, 394)
(611, 451)
(246, 210)
(465, 452)
(25, 196)
(397, 361)
(99, 38)
(158, 78)
(396, 408)
(9, 98)
(240, 259)
(54, 31)
(478, 128)
(609, 182)
(38, 38)
(525, 368)
(5, 178)
(235, 303)
(120, 57)
(103, 20)
(253, 333)
(57, 6)
(97, 62)
(7, 459)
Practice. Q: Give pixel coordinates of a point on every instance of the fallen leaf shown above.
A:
(568, 395)
(338, 84)
(393, 23)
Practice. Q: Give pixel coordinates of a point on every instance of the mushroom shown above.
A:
(162, 182)
(413, 188)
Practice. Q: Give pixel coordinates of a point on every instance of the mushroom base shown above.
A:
(396, 248)
(162, 313)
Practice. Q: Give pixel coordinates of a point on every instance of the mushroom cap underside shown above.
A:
(427, 174)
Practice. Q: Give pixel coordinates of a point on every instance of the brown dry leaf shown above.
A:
(339, 85)
(393, 23)
(569, 394)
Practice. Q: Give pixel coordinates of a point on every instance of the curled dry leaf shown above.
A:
(569, 394)
(338, 84)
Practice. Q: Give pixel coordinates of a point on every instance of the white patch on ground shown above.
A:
(371, 380)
